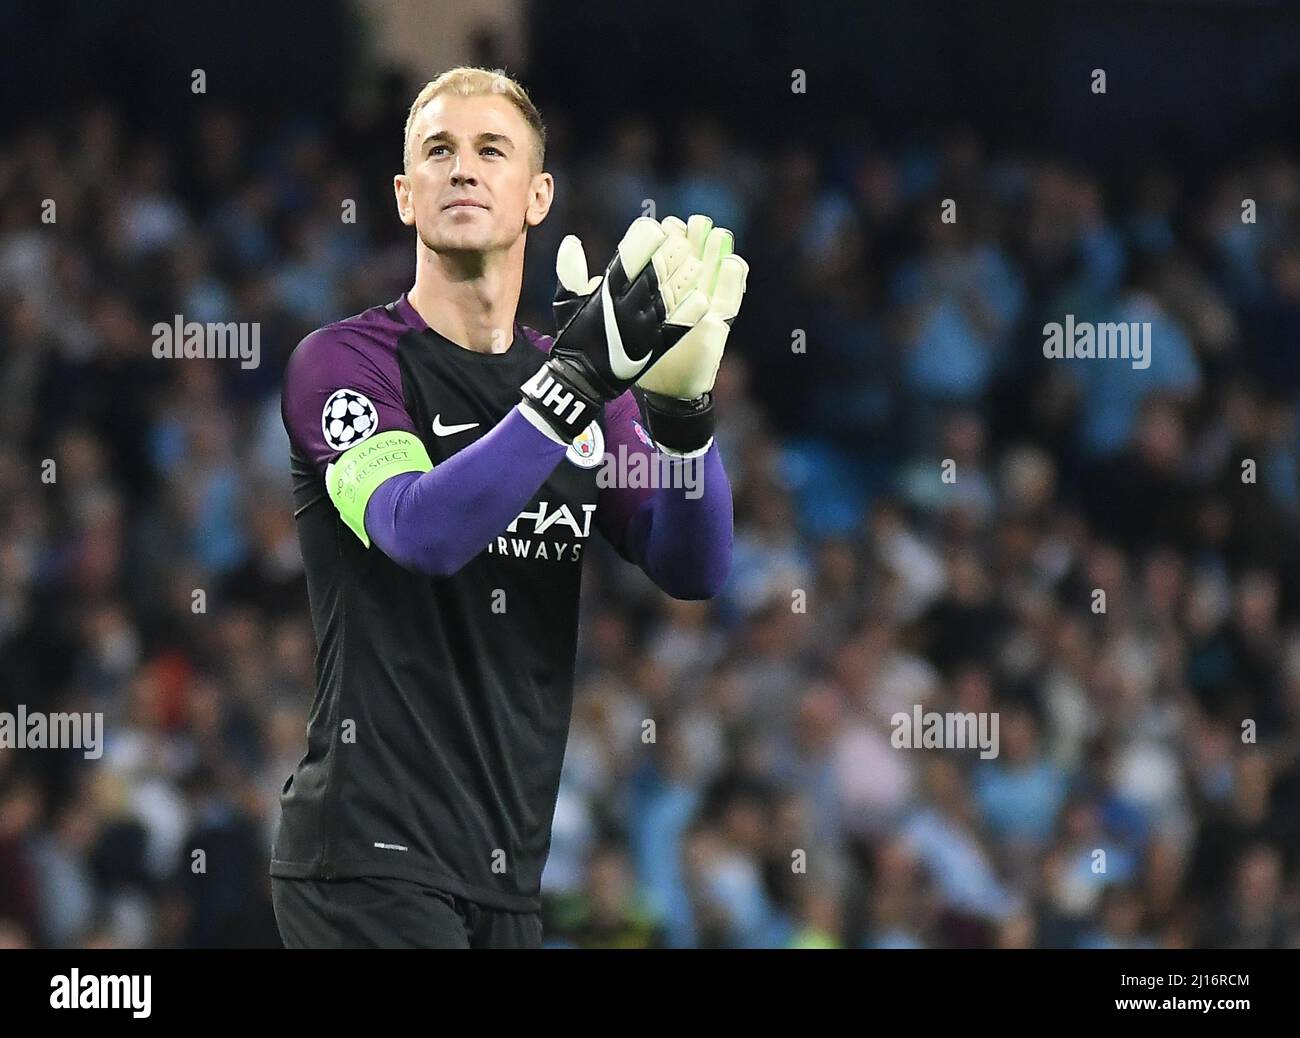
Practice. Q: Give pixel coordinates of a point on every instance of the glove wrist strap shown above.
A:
(680, 425)
(562, 397)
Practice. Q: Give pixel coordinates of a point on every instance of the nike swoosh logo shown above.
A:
(623, 366)
(446, 430)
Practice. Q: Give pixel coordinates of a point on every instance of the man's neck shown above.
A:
(469, 298)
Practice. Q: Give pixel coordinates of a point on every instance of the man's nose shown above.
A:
(463, 173)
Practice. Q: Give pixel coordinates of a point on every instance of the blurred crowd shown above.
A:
(926, 507)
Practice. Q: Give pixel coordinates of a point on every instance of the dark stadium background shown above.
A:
(1119, 732)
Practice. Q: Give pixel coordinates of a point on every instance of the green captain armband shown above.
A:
(358, 471)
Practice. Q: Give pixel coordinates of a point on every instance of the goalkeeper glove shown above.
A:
(678, 389)
(613, 327)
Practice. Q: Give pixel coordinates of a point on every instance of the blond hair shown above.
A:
(465, 81)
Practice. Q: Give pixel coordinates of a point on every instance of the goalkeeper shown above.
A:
(444, 462)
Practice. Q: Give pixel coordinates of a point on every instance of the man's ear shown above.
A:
(402, 192)
(542, 194)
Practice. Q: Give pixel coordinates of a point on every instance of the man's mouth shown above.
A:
(463, 203)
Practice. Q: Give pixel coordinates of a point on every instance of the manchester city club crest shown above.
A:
(587, 450)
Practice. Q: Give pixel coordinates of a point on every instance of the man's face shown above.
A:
(469, 185)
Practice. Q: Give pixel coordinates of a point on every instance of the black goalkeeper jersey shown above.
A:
(442, 706)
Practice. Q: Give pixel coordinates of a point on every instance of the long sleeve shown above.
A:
(679, 533)
(429, 518)
(434, 522)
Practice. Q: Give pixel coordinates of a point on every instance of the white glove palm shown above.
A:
(688, 370)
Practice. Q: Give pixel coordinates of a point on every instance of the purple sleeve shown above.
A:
(331, 361)
(434, 522)
(681, 538)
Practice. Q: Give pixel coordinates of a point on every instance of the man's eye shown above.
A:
(438, 148)
(496, 151)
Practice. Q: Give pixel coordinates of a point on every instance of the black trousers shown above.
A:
(377, 912)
